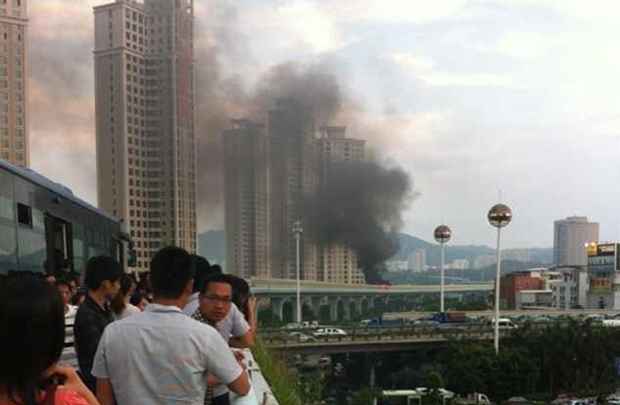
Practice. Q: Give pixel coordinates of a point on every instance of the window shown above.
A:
(24, 215)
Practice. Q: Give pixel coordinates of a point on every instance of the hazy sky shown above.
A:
(470, 97)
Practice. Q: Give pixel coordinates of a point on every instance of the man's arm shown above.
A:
(244, 332)
(241, 386)
(105, 394)
(242, 342)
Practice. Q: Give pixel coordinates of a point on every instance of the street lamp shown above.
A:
(298, 230)
(499, 216)
(442, 236)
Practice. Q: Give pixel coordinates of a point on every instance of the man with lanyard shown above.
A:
(215, 305)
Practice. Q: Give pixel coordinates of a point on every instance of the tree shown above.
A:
(434, 383)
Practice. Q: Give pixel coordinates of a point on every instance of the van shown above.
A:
(504, 323)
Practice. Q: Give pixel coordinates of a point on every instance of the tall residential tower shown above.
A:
(569, 238)
(338, 263)
(14, 82)
(146, 162)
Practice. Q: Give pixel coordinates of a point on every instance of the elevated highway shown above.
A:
(345, 300)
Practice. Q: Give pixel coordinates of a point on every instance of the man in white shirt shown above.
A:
(215, 310)
(161, 356)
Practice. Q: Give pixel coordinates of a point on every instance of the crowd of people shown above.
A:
(172, 337)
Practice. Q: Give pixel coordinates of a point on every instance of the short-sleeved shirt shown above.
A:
(234, 325)
(162, 356)
(69, 357)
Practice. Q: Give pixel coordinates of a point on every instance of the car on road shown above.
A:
(325, 332)
(301, 337)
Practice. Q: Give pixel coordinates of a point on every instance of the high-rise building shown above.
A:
(270, 175)
(14, 82)
(293, 168)
(247, 200)
(144, 95)
(338, 263)
(570, 236)
(417, 260)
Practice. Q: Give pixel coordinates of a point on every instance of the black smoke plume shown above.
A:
(362, 203)
(360, 206)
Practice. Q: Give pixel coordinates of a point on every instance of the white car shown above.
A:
(301, 337)
(323, 332)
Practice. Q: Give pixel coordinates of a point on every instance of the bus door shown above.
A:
(59, 238)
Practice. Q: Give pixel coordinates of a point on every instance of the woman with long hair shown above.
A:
(32, 336)
(120, 304)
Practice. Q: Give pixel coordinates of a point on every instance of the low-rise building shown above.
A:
(571, 291)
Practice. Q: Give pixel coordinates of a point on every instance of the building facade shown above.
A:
(271, 171)
(512, 284)
(570, 292)
(144, 97)
(338, 263)
(417, 261)
(246, 172)
(604, 275)
(14, 118)
(569, 238)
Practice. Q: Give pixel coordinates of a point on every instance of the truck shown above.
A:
(382, 323)
(450, 317)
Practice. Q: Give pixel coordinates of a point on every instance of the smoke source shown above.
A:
(360, 206)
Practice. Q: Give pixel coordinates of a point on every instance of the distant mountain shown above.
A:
(212, 245)
(409, 244)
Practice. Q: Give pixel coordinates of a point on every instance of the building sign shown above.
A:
(608, 249)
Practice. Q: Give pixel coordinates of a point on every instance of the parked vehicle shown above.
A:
(324, 332)
(382, 323)
(450, 317)
(471, 399)
(301, 337)
(504, 323)
(611, 323)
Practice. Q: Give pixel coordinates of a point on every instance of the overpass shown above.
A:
(344, 300)
(363, 340)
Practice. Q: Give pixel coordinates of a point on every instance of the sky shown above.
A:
(479, 101)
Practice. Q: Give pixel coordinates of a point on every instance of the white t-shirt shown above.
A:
(129, 310)
(161, 356)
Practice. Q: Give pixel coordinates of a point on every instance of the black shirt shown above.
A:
(90, 321)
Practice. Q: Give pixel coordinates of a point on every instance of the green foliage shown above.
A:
(364, 396)
(283, 385)
(573, 357)
(434, 382)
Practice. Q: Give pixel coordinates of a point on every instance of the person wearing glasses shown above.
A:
(215, 305)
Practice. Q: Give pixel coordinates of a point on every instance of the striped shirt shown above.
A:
(69, 357)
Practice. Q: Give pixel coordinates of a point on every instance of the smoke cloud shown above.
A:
(360, 206)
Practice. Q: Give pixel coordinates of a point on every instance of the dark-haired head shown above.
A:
(241, 290)
(32, 334)
(172, 272)
(216, 297)
(203, 271)
(101, 272)
(127, 286)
